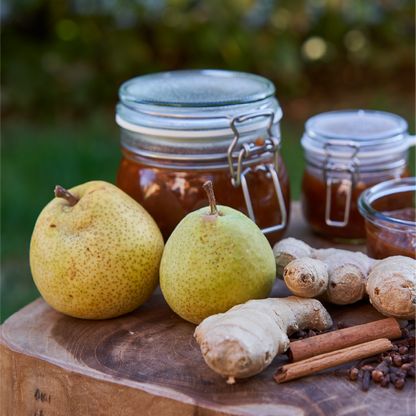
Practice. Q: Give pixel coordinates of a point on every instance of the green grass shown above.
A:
(34, 160)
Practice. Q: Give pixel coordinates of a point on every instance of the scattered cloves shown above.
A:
(392, 367)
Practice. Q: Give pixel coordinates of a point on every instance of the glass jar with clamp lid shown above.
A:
(346, 152)
(179, 129)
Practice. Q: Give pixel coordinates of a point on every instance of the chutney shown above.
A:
(384, 241)
(313, 199)
(346, 152)
(170, 194)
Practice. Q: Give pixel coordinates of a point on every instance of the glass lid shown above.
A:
(196, 104)
(196, 88)
(357, 125)
(361, 133)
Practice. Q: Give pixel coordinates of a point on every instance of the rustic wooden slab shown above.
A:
(148, 363)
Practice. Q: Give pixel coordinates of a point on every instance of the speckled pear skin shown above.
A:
(212, 263)
(98, 259)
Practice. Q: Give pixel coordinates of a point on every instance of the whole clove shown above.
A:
(405, 332)
(353, 373)
(397, 381)
(411, 341)
(342, 372)
(366, 376)
(406, 367)
(377, 376)
(403, 350)
(398, 360)
(406, 358)
(301, 334)
(386, 381)
(398, 372)
(400, 342)
(381, 370)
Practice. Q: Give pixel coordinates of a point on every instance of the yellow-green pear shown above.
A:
(215, 258)
(95, 252)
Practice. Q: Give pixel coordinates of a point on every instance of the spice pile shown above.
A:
(393, 367)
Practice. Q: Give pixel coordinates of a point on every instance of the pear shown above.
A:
(215, 258)
(95, 252)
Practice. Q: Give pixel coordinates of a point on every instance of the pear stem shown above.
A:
(209, 189)
(63, 193)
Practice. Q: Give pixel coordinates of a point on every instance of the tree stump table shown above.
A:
(148, 363)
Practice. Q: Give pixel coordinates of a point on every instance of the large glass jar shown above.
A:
(179, 129)
(347, 152)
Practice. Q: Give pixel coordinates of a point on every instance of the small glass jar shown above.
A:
(179, 129)
(347, 152)
(390, 218)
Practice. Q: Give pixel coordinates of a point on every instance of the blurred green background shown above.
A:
(63, 61)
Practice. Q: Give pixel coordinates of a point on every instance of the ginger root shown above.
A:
(343, 277)
(244, 340)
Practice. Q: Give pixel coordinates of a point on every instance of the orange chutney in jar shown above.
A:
(182, 128)
(314, 189)
(390, 218)
(347, 152)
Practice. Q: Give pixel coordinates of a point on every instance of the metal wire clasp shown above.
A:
(351, 168)
(238, 177)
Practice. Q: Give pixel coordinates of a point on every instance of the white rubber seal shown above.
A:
(309, 147)
(196, 134)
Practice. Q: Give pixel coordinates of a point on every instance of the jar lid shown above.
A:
(355, 133)
(196, 88)
(195, 103)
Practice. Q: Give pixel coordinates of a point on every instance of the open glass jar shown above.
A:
(389, 211)
(347, 152)
(182, 128)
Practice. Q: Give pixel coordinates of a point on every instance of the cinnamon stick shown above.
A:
(347, 337)
(331, 359)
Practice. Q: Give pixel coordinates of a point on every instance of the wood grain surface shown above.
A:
(148, 363)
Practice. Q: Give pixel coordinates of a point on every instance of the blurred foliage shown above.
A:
(70, 56)
(34, 160)
(63, 61)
